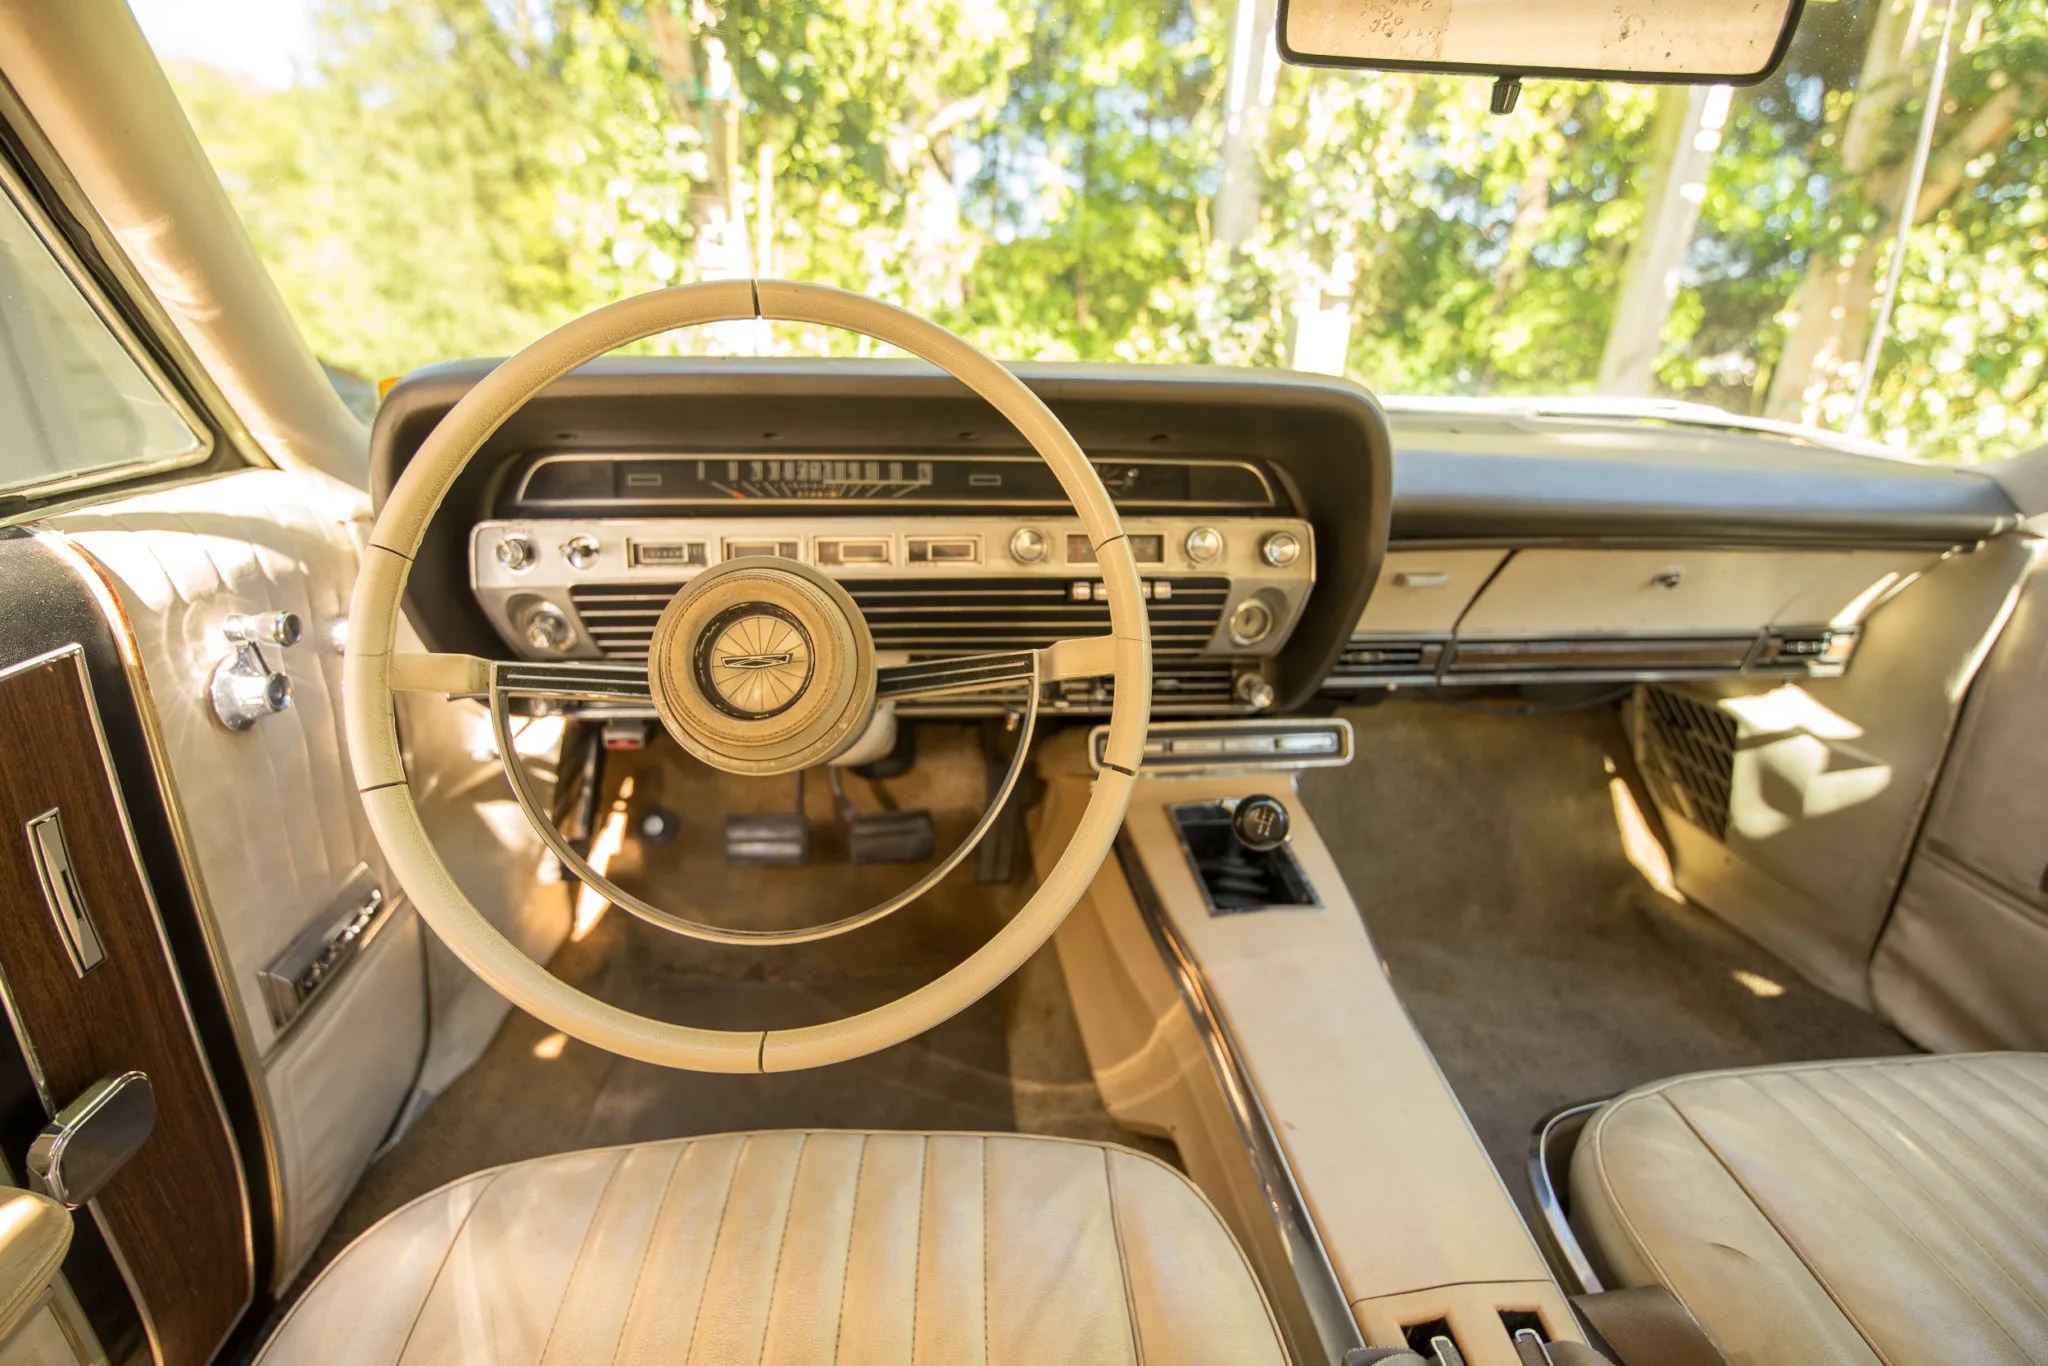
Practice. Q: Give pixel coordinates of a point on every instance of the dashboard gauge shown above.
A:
(564, 480)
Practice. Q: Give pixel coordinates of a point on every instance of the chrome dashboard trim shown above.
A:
(618, 563)
(1273, 503)
(1328, 1307)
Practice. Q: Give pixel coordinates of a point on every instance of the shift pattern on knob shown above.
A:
(1259, 822)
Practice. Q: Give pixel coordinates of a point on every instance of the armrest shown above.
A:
(35, 1233)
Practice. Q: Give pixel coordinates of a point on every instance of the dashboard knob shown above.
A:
(1280, 549)
(1250, 622)
(1203, 544)
(1254, 691)
(1028, 545)
(1259, 822)
(515, 552)
(580, 551)
(547, 629)
(245, 690)
(264, 628)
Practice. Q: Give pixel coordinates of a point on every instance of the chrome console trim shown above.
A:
(1554, 1234)
(1328, 1307)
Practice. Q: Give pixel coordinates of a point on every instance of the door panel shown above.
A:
(274, 830)
(1962, 962)
(176, 1217)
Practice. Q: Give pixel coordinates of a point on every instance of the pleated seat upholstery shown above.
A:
(795, 1247)
(1892, 1210)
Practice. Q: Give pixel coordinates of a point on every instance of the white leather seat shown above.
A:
(795, 1247)
(1893, 1210)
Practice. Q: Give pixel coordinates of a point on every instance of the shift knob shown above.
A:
(1260, 823)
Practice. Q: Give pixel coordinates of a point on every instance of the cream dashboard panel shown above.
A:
(1571, 592)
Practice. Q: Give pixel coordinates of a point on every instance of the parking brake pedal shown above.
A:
(881, 836)
(772, 840)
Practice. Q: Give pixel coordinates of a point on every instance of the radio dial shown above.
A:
(1280, 549)
(1203, 544)
(580, 552)
(515, 552)
(1028, 545)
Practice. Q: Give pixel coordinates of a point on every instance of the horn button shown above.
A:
(762, 666)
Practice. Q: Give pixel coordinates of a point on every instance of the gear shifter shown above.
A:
(1260, 823)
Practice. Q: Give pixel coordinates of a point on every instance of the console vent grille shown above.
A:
(1688, 756)
(924, 617)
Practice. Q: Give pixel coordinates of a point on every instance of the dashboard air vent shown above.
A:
(1369, 659)
(924, 618)
(1687, 749)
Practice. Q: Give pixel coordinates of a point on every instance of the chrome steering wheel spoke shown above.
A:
(1079, 657)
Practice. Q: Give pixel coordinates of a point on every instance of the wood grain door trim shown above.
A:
(177, 1218)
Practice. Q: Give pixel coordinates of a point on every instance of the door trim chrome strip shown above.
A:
(1329, 1308)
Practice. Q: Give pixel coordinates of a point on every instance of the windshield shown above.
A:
(1113, 180)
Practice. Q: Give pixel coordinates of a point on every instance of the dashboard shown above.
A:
(1299, 541)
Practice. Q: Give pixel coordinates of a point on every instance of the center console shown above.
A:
(1231, 998)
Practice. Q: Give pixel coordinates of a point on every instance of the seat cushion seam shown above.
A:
(582, 1250)
(860, 1166)
(924, 1176)
(647, 1249)
(441, 1266)
(986, 1298)
(1783, 1236)
(796, 1172)
(1123, 1263)
(732, 1181)
(1963, 1180)
(1998, 1063)
(1898, 1217)
(1962, 1098)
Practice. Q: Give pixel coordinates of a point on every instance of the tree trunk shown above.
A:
(1248, 107)
(1683, 140)
(1832, 306)
(703, 92)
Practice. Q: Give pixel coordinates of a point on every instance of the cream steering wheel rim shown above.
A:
(369, 708)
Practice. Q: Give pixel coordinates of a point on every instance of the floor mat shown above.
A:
(1013, 1061)
(1540, 966)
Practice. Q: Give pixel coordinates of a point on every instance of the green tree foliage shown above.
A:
(455, 176)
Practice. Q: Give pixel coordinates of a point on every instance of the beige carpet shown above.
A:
(1540, 965)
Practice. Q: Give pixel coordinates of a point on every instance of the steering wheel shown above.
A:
(758, 666)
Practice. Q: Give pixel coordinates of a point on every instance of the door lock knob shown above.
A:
(1259, 822)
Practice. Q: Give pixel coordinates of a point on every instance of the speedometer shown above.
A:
(562, 480)
(855, 480)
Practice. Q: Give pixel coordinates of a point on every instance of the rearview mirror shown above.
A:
(1703, 42)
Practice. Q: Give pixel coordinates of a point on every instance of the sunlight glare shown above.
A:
(611, 837)
(1638, 844)
(1757, 983)
(550, 1048)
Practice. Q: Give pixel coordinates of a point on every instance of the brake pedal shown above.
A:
(881, 836)
(772, 840)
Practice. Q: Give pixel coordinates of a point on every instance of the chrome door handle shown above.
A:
(92, 1138)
